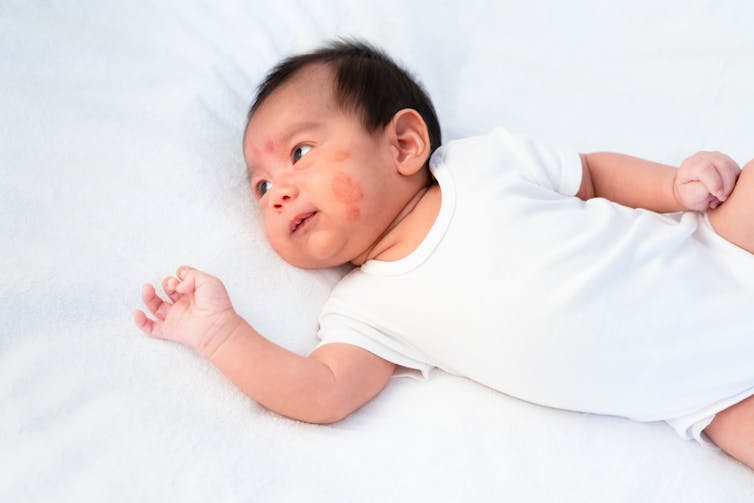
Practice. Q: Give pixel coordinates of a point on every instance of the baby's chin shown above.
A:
(319, 253)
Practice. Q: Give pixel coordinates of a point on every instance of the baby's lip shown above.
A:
(299, 219)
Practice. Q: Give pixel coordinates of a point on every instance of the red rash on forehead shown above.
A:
(260, 151)
(348, 192)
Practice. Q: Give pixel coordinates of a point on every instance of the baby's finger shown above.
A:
(189, 277)
(712, 202)
(188, 281)
(183, 270)
(168, 286)
(154, 303)
(712, 180)
(729, 171)
(149, 327)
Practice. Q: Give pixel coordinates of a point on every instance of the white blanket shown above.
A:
(120, 159)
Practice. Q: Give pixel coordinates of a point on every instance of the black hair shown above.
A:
(367, 81)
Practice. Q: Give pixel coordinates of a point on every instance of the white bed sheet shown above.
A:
(120, 130)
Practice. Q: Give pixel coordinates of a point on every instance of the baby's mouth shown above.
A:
(300, 220)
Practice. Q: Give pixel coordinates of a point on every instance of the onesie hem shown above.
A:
(691, 426)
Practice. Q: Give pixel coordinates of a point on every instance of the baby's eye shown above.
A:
(263, 187)
(300, 152)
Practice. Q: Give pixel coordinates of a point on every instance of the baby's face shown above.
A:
(324, 184)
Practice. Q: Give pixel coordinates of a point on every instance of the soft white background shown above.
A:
(120, 159)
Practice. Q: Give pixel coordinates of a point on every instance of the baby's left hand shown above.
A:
(705, 180)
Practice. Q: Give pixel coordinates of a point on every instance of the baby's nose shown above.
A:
(283, 193)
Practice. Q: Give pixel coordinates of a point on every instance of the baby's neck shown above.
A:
(408, 229)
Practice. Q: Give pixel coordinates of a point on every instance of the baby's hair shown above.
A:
(367, 81)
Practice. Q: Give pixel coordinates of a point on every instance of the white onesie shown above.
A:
(586, 306)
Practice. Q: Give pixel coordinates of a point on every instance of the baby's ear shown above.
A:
(410, 141)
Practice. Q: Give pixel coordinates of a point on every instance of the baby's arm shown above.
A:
(324, 387)
(335, 380)
(703, 181)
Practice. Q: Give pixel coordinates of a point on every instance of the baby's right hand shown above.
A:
(199, 313)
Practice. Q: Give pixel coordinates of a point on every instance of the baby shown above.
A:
(594, 282)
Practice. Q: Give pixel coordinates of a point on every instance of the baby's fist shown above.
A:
(198, 312)
(705, 180)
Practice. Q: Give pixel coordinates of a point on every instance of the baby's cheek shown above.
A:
(341, 155)
(348, 192)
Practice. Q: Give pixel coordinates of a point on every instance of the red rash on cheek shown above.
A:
(341, 155)
(349, 193)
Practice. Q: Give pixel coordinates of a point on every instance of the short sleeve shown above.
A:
(338, 328)
(553, 167)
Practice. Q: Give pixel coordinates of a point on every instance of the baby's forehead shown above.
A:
(306, 101)
(299, 105)
(310, 89)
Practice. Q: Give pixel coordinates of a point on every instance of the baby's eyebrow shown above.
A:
(295, 129)
(300, 128)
